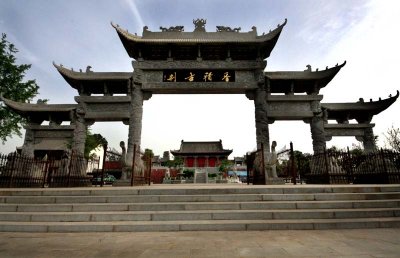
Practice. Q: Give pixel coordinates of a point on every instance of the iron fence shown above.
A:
(19, 171)
(341, 167)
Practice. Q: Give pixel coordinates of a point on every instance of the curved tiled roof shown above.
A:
(245, 42)
(92, 75)
(198, 37)
(361, 111)
(94, 81)
(201, 148)
(305, 75)
(41, 112)
(302, 81)
(25, 108)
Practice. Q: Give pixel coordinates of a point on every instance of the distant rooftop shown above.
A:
(211, 147)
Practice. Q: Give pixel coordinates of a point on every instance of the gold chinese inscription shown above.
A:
(190, 77)
(226, 77)
(172, 77)
(208, 76)
(198, 75)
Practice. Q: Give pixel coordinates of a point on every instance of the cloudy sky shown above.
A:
(320, 33)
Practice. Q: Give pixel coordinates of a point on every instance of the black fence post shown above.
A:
(104, 161)
(385, 172)
(133, 163)
(45, 174)
(149, 175)
(14, 156)
(262, 161)
(70, 167)
(326, 166)
(247, 169)
(292, 170)
(350, 162)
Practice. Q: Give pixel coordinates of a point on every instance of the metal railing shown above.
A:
(20, 171)
(341, 167)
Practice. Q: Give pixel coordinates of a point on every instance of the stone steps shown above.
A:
(200, 198)
(200, 225)
(175, 208)
(187, 206)
(198, 215)
(198, 190)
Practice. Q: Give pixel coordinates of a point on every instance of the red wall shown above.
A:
(189, 162)
(212, 162)
(158, 174)
(112, 165)
(201, 162)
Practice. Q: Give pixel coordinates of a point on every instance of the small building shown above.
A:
(156, 161)
(238, 161)
(202, 154)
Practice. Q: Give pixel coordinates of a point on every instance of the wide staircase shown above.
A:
(199, 207)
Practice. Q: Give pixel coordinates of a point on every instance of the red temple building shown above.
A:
(202, 154)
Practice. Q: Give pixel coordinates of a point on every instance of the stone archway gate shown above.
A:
(172, 61)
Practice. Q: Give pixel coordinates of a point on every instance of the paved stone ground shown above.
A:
(361, 243)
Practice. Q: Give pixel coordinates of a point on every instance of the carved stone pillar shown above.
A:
(368, 140)
(78, 143)
(262, 130)
(318, 134)
(317, 127)
(135, 123)
(29, 141)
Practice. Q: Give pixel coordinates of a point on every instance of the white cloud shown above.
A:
(371, 49)
(135, 11)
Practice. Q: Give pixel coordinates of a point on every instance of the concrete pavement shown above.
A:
(361, 243)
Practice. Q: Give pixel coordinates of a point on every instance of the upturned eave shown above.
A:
(358, 110)
(26, 108)
(266, 42)
(302, 81)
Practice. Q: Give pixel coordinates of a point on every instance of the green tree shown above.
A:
(302, 161)
(13, 87)
(393, 138)
(93, 141)
(225, 165)
(175, 163)
(148, 155)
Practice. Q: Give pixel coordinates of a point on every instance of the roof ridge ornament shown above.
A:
(179, 28)
(227, 29)
(199, 25)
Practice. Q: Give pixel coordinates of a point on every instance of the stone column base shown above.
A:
(274, 181)
(122, 182)
(125, 178)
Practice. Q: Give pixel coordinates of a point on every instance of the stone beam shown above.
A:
(52, 137)
(363, 133)
(198, 87)
(194, 64)
(46, 137)
(291, 107)
(357, 130)
(105, 108)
